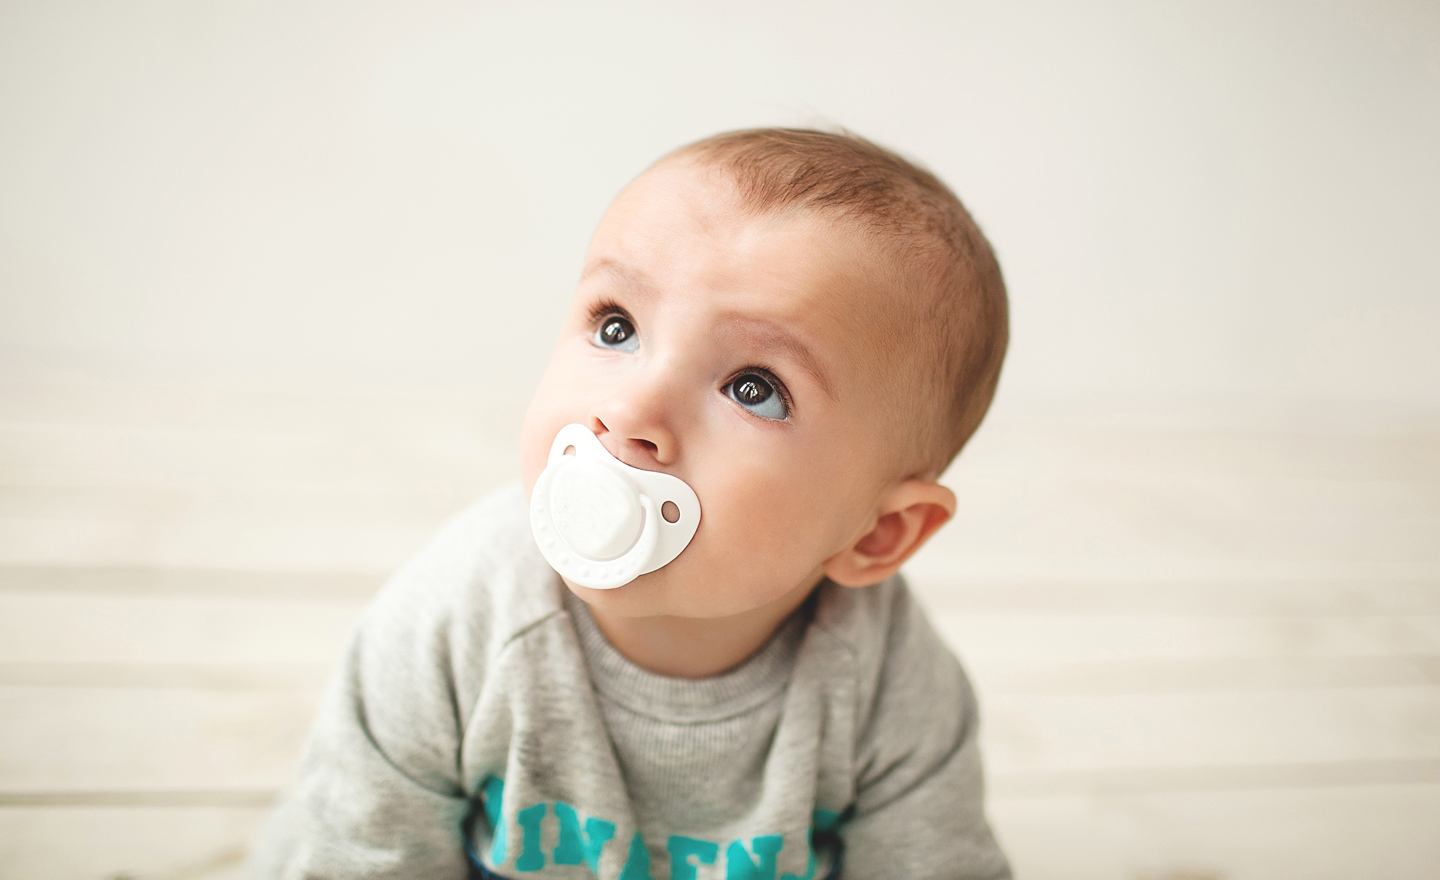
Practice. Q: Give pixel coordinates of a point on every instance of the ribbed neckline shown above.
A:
(689, 700)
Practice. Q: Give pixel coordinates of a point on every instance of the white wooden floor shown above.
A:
(1207, 646)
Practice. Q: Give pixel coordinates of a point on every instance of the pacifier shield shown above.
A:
(600, 522)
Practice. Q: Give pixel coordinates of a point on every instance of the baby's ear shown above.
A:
(905, 518)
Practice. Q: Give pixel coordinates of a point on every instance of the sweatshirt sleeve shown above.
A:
(379, 791)
(919, 805)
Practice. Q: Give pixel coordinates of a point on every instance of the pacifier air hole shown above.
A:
(671, 511)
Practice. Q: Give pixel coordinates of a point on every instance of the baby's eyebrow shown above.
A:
(767, 335)
(631, 278)
(757, 333)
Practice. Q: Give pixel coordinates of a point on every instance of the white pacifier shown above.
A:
(602, 523)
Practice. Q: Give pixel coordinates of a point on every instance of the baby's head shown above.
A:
(802, 326)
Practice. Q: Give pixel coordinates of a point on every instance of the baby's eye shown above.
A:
(616, 331)
(757, 394)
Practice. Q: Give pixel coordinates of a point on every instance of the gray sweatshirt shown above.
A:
(479, 715)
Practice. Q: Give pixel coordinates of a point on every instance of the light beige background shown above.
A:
(276, 281)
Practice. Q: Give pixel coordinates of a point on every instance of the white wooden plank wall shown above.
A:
(1206, 646)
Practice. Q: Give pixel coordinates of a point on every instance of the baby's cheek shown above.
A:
(763, 526)
(534, 452)
(733, 577)
(536, 437)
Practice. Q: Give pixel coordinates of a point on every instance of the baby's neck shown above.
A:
(696, 647)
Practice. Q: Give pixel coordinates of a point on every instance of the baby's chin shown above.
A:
(641, 597)
(657, 594)
(673, 592)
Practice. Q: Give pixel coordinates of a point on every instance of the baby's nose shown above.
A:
(636, 424)
(637, 448)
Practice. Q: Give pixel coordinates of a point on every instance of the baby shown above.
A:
(804, 329)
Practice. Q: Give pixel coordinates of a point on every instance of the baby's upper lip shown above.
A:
(630, 452)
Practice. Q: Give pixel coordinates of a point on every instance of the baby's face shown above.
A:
(743, 355)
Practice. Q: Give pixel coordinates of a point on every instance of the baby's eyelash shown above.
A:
(608, 306)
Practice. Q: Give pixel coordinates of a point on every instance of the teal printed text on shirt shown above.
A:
(582, 841)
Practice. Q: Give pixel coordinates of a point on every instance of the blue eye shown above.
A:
(757, 394)
(616, 331)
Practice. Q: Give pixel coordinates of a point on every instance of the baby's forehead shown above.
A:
(683, 226)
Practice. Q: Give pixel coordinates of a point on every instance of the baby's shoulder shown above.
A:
(876, 621)
(477, 583)
(893, 646)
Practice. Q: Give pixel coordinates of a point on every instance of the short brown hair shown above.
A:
(961, 325)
